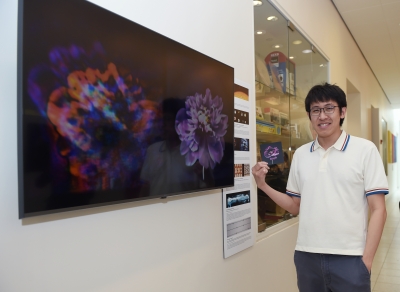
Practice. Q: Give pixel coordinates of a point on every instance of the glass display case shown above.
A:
(287, 65)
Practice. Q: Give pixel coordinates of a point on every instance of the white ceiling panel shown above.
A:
(362, 16)
(384, 66)
(397, 52)
(389, 1)
(394, 93)
(375, 44)
(393, 22)
(394, 34)
(389, 78)
(371, 29)
(392, 10)
(349, 5)
(392, 78)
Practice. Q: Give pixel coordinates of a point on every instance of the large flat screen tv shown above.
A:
(111, 112)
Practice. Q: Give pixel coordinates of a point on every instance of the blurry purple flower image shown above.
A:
(271, 153)
(201, 127)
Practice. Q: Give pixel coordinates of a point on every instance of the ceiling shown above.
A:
(375, 26)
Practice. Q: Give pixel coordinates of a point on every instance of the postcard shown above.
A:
(272, 152)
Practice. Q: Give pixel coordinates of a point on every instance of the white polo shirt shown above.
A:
(333, 186)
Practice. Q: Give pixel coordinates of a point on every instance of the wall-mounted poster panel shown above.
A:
(110, 111)
(237, 201)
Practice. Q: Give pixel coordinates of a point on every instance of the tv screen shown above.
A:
(110, 111)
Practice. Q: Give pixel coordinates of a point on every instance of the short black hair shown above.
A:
(326, 92)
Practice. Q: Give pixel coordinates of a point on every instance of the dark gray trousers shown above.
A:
(331, 273)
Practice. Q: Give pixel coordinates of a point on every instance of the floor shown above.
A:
(385, 275)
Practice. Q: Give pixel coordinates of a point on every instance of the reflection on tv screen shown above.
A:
(112, 111)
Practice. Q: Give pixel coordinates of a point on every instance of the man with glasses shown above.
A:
(333, 182)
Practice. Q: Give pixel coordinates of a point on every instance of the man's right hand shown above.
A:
(259, 172)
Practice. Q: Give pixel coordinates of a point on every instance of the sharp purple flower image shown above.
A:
(201, 127)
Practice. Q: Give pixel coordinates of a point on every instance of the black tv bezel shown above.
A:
(20, 120)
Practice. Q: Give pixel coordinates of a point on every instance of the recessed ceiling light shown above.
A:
(291, 57)
(260, 31)
(272, 18)
(257, 3)
(297, 42)
(307, 51)
(277, 46)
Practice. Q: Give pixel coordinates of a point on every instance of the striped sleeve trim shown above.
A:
(292, 194)
(377, 191)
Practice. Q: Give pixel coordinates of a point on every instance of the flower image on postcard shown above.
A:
(272, 153)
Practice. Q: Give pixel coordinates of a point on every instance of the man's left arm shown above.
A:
(377, 220)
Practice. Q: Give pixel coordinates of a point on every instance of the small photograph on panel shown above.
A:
(238, 198)
(238, 170)
(241, 117)
(241, 144)
(246, 169)
(242, 170)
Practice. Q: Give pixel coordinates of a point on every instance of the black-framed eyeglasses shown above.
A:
(328, 110)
